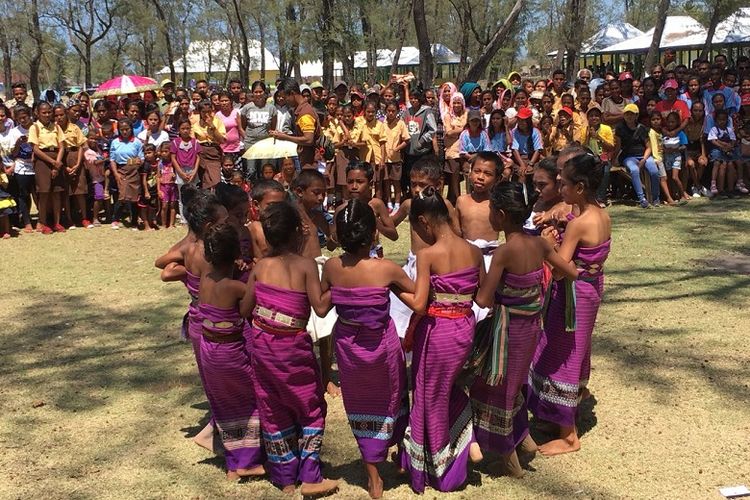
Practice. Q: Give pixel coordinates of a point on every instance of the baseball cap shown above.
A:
(339, 83)
(357, 93)
(166, 81)
(631, 108)
(625, 75)
(537, 94)
(316, 85)
(594, 107)
(745, 100)
(524, 113)
(567, 110)
(670, 84)
(474, 114)
(304, 87)
(372, 91)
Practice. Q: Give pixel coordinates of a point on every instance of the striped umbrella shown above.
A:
(125, 84)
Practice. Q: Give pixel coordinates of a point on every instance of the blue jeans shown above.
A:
(631, 163)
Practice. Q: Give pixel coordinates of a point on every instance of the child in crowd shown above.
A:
(424, 173)
(166, 186)
(373, 137)
(126, 158)
(148, 201)
(441, 439)
(527, 145)
(499, 135)
(153, 133)
(397, 138)
(225, 359)
(310, 190)
(287, 174)
(548, 198)
(368, 349)
(723, 143)
(263, 194)
(240, 181)
(227, 169)
(185, 152)
(7, 204)
(471, 141)
(561, 365)
(562, 134)
(359, 183)
(267, 172)
(75, 177)
(49, 149)
(454, 123)
(97, 166)
(600, 139)
(237, 203)
(513, 288)
(473, 209)
(656, 143)
(281, 289)
(674, 141)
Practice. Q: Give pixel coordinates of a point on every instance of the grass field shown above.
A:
(99, 397)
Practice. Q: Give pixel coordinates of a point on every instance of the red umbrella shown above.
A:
(125, 84)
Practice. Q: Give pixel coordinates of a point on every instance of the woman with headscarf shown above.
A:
(472, 93)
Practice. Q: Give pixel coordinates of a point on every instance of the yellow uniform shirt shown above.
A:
(373, 135)
(73, 136)
(201, 133)
(654, 140)
(46, 137)
(394, 134)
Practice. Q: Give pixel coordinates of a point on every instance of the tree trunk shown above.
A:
(479, 66)
(244, 59)
(87, 64)
(575, 19)
(464, 44)
(35, 62)
(7, 61)
(325, 25)
(715, 18)
(347, 66)
(164, 28)
(294, 63)
(228, 67)
(653, 51)
(400, 34)
(281, 39)
(262, 33)
(423, 43)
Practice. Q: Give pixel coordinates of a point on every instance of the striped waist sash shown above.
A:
(286, 324)
(489, 355)
(452, 305)
(235, 334)
(570, 299)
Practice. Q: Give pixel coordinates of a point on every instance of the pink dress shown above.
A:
(232, 142)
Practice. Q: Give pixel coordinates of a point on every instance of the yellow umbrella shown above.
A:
(270, 148)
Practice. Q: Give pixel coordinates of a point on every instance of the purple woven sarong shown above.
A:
(371, 369)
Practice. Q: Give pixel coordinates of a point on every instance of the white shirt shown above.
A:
(156, 139)
(23, 165)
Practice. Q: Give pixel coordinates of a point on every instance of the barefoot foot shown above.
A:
(252, 472)
(233, 476)
(475, 453)
(333, 390)
(585, 394)
(375, 488)
(324, 487)
(560, 446)
(205, 438)
(289, 489)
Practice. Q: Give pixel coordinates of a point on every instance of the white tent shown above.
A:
(734, 29)
(610, 34)
(675, 27)
(440, 53)
(212, 56)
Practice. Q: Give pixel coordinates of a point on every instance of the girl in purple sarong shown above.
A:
(228, 374)
(560, 368)
(184, 262)
(288, 387)
(371, 362)
(440, 440)
(504, 348)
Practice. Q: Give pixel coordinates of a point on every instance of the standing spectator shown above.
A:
(306, 124)
(167, 95)
(232, 121)
(421, 125)
(258, 118)
(47, 138)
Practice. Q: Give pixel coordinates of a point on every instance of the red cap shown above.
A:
(625, 75)
(567, 110)
(746, 99)
(524, 113)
